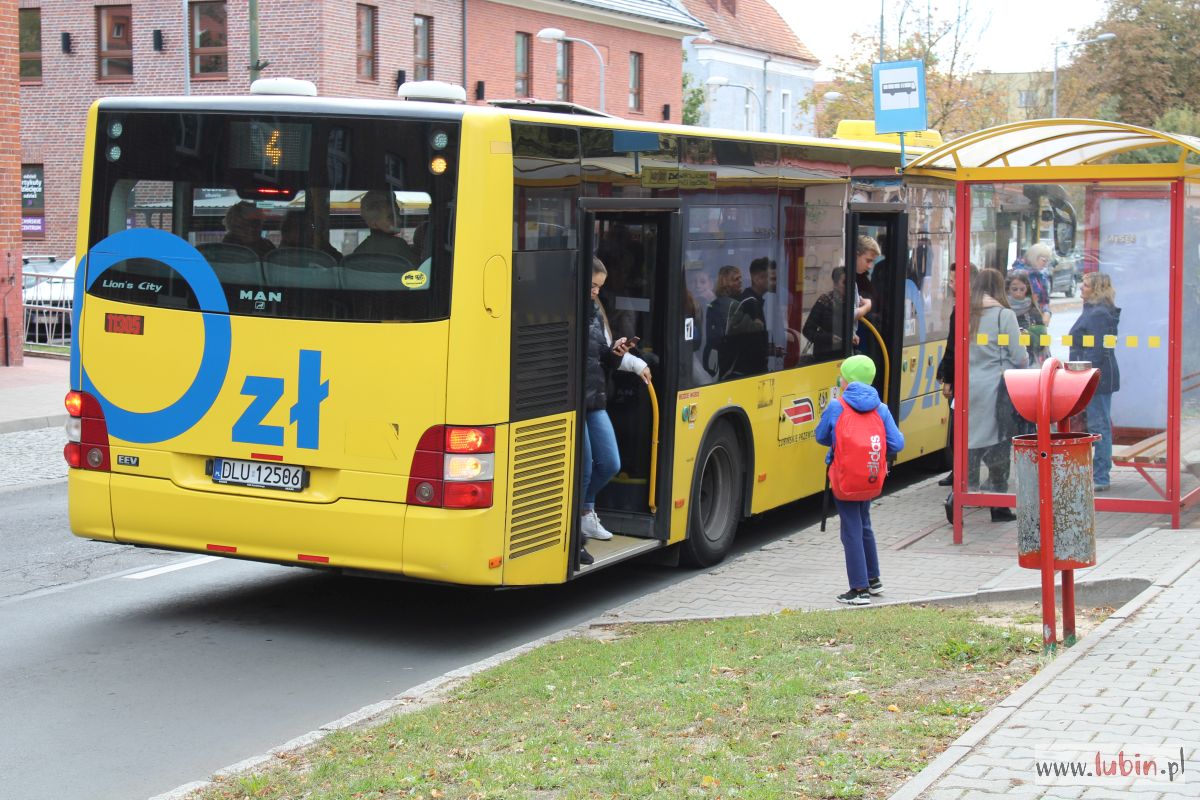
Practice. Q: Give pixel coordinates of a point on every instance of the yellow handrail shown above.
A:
(887, 364)
(653, 445)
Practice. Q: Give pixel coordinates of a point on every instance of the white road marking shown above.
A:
(150, 573)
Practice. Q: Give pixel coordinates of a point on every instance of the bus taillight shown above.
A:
(453, 467)
(87, 433)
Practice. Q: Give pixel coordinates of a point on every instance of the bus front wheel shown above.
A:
(716, 504)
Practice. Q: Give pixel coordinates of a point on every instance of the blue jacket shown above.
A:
(1098, 320)
(861, 397)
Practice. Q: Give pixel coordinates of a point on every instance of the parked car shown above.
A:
(1064, 275)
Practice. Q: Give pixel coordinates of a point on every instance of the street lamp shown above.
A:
(558, 35)
(717, 81)
(1104, 37)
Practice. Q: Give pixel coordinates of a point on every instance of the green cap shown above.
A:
(858, 368)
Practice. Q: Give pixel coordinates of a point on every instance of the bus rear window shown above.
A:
(302, 218)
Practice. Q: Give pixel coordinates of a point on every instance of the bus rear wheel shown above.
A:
(716, 504)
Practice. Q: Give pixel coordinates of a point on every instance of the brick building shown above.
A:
(10, 198)
(74, 52)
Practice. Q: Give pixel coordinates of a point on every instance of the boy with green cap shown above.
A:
(864, 421)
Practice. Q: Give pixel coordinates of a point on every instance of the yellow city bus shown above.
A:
(263, 369)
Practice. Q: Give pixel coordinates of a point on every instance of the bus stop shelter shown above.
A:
(1102, 197)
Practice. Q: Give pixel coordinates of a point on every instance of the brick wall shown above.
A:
(491, 41)
(10, 190)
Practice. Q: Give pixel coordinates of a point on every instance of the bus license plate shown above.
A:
(259, 475)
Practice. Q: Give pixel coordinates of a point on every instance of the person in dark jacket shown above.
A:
(601, 460)
(1099, 319)
(824, 326)
(945, 367)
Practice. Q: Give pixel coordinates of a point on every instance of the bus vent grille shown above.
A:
(541, 371)
(539, 487)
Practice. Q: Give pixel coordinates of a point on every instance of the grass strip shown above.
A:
(811, 705)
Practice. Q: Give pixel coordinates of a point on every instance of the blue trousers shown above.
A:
(600, 452)
(1099, 420)
(858, 541)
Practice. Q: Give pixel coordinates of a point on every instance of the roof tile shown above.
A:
(753, 24)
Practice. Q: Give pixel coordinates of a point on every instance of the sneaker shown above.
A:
(585, 557)
(875, 587)
(591, 528)
(855, 597)
(947, 481)
(1100, 487)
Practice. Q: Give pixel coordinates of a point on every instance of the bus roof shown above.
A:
(350, 106)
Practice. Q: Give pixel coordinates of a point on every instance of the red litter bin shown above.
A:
(1073, 500)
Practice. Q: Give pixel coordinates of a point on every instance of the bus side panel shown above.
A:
(459, 545)
(87, 504)
(477, 372)
(538, 525)
(924, 413)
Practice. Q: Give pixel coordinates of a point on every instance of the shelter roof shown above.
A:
(753, 24)
(1047, 143)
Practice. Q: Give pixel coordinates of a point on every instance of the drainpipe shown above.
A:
(763, 104)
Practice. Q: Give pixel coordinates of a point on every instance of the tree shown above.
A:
(693, 100)
(1151, 67)
(956, 103)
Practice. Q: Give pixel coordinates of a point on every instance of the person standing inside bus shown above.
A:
(378, 209)
(244, 226)
(1037, 265)
(601, 460)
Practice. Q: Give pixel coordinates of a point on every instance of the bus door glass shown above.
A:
(635, 248)
(882, 329)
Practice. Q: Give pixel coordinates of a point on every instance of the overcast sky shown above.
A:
(1019, 36)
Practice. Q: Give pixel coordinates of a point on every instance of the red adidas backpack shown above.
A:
(859, 455)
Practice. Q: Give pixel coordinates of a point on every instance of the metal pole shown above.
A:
(1046, 502)
(187, 48)
(881, 2)
(599, 57)
(256, 66)
(1054, 86)
(1068, 601)
(962, 312)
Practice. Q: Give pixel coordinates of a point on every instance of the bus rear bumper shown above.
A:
(88, 506)
(363, 535)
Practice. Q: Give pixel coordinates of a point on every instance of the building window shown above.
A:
(635, 81)
(562, 73)
(522, 66)
(210, 52)
(31, 45)
(33, 203)
(366, 43)
(422, 39)
(1027, 98)
(114, 38)
(785, 112)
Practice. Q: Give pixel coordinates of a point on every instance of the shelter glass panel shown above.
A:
(1079, 271)
(1189, 452)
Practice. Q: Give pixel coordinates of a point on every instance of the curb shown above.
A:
(32, 423)
(960, 747)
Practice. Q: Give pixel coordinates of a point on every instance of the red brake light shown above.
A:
(92, 451)
(470, 440)
(430, 485)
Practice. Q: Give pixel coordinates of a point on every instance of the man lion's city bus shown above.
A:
(345, 333)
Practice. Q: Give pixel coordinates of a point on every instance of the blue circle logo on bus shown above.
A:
(190, 408)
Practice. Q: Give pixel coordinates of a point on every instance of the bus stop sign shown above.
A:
(899, 96)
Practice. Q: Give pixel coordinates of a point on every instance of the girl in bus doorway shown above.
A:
(601, 461)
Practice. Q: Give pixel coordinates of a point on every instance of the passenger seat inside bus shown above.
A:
(300, 268)
(234, 264)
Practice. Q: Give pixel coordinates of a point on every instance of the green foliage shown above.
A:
(1177, 120)
(1150, 68)
(693, 98)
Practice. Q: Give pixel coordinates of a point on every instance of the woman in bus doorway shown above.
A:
(601, 461)
(1097, 322)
